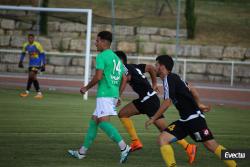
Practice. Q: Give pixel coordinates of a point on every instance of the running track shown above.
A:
(209, 93)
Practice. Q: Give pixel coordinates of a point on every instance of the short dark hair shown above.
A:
(106, 35)
(122, 56)
(166, 60)
(31, 35)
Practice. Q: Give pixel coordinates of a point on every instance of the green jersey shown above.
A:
(112, 68)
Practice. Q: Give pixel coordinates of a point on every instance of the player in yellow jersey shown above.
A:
(36, 63)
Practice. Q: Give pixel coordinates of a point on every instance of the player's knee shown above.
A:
(122, 114)
(92, 137)
(163, 139)
(32, 77)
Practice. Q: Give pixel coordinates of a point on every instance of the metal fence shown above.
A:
(182, 64)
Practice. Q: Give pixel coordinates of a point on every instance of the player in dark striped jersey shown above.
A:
(147, 103)
(192, 121)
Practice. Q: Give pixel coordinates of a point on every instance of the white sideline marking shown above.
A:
(43, 77)
(78, 79)
(84, 133)
(221, 88)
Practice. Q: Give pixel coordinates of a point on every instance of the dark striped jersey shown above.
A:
(138, 81)
(177, 90)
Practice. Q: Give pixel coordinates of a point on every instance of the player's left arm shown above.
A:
(41, 53)
(123, 83)
(151, 70)
(122, 88)
(195, 94)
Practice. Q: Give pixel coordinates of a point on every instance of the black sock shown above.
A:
(29, 83)
(36, 85)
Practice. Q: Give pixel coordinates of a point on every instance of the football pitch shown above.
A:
(36, 133)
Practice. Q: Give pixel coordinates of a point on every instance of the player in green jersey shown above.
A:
(108, 76)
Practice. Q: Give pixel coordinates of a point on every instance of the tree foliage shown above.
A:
(43, 24)
(190, 18)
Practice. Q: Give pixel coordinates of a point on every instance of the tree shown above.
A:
(190, 18)
(43, 23)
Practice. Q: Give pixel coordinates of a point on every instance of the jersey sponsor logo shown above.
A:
(205, 132)
(116, 78)
(33, 54)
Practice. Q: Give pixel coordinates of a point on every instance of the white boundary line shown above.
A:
(75, 79)
(42, 77)
(123, 133)
(223, 88)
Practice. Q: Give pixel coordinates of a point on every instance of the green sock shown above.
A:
(111, 131)
(91, 134)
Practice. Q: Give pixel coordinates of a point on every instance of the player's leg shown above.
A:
(201, 133)
(90, 136)
(125, 113)
(174, 132)
(166, 149)
(105, 109)
(216, 148)
(167, 152)
(88, 140)
(161, 124)
(114, 135)
(36, 84)
(190, 149)
(29, 83)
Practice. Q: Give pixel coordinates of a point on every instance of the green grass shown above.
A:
(39, 132)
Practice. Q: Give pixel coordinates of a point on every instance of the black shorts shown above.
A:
(148, 107)
(196, 128)
(34, 69)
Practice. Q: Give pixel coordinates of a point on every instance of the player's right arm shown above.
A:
(164, 106)
(169, 91)
(98, 74)
(97, 77)
(20, 64)
(151, 70)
